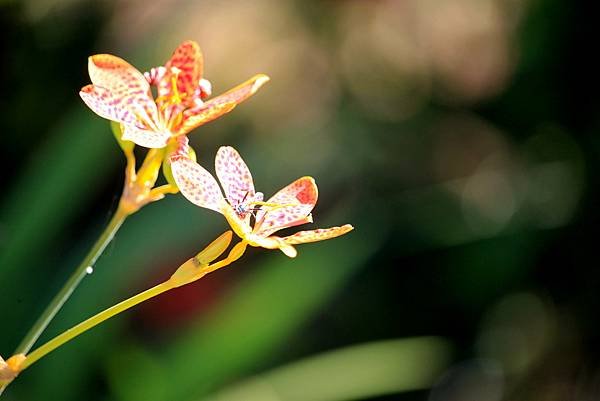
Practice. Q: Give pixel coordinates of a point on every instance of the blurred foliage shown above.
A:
(459, 137)
(350, 373)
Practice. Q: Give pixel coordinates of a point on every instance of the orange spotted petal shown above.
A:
(291, 223)
(289, 207)
(197, 184)
(288, 250)
(102, 102)
(145, 137)
(319, 234)
(119, 92)
(234, 176)
(186, 66)
(119, 77)
(112, 72)
(274, 242)
(124, 109)
(222, 104)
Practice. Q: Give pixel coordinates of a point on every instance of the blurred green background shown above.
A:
(459, 137)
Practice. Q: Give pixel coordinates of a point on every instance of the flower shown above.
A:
(119, 92)
(250, 218)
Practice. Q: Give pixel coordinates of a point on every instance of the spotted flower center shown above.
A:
(251, 203)
(172, 105)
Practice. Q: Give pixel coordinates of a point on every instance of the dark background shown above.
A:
(459, 137)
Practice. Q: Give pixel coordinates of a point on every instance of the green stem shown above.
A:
(93, 321)
(72, 283)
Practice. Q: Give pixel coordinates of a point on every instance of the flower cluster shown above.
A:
(121, 93)
(160, 121)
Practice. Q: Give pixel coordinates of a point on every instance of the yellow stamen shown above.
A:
(176, 121)
(145, 120)
(166, 102)
(176, 98)
(274, 206)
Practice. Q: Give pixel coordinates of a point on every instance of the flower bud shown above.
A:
(215, 249)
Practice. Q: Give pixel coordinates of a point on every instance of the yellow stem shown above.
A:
(130, 174)
(159, 192)
(201, 270)
(150, 167)
(138, 191)
(93, 321)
